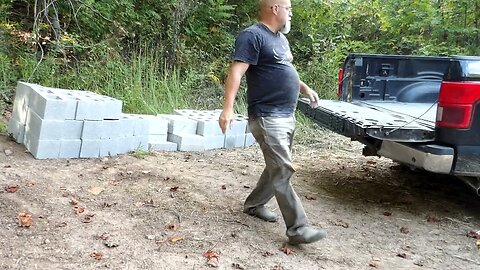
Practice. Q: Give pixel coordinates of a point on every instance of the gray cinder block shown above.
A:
(187, 142)
(163, 146)
(179, 124)
(70, 148)
(214, 141)
(92, 130)
(42, 149)
(16, 130)
(90, 148)
(110, 129)
(249, 140)
(43, 129)
(109, 147)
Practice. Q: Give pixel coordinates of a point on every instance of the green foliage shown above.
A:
(3, 127)
(161, 55)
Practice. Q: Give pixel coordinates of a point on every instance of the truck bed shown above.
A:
(391, 121)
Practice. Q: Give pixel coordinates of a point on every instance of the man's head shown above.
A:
(276, 14)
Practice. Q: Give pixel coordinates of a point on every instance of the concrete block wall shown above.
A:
(60, 123)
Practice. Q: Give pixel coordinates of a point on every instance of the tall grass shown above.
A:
(142, 82)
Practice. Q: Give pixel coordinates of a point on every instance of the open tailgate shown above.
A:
(362, 120)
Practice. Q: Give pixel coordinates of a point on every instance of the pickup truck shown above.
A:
(423, 112)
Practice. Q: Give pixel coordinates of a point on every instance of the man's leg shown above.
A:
(274, 135)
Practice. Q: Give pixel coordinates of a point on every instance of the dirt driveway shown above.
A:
(180, 210)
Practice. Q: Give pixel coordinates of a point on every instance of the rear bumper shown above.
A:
(431, 157)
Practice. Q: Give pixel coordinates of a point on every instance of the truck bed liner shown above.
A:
(400, 122)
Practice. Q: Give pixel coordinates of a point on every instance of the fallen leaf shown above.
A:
(103, 236)
(30, 184)
(73, 201)
(97, 255)
(371, 162)
(88, 218)
(474, 234)
(78, 210)
(175, 239)
(237, 266)
(267, 254)
(209, 254)
(341, 223)
(310, 197)
(25, 219)
(62, 224)
(11, 188)
(404, 230)
(96, 190)
(285, 249)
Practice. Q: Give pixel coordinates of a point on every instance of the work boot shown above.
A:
(309, 235)
(262, 213)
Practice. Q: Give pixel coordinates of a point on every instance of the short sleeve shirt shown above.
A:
(273, 84)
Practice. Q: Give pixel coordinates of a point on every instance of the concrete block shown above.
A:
(90, 148)
(125, 145)
(72, 129)
(126, 127)
(20, 103)
(43, 129)
(140, 143)
(249, 140)
(239, 126)
(111, 129)
(157, 138)
(89, 108)
(214, 141)
(162, 146)
(234, 141)
(92, 130)
(16, 130)
(187, 142)
(50, 106)
(179, 124)
(109, 147)
(42, 149)
(141, 126)
(70, 148)
(157, 125)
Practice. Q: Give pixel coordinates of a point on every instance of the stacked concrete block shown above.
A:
(158, 132)
(183, 131)
(207, 127)
(59, 123)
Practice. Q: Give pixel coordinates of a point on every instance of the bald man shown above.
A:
(262, 53)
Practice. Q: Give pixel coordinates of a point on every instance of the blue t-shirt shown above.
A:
(272, 82)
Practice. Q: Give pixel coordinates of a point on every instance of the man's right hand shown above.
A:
(225, 120)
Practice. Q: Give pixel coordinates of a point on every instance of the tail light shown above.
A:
(456, 104)
(340, 83)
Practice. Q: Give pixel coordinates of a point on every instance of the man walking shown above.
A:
(262, 53)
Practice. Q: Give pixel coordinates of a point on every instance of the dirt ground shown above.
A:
(179, 210)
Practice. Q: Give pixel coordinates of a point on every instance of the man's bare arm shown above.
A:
(232, 83)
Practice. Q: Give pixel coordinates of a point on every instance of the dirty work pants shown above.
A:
(275, 137)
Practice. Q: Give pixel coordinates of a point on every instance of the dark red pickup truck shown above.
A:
(420, 111)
